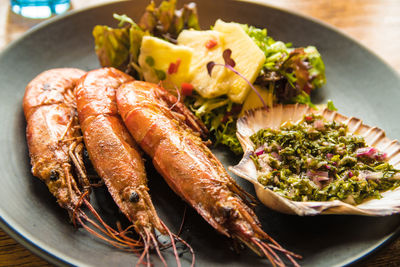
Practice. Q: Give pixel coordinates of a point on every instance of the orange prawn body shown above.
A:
(113, 152)
(189, 167)
(116, 158)
(53, 135)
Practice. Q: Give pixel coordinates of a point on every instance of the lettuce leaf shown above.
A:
(120, 47)
(112, 46)
(167, 22)
(293, 71)
(220, 116)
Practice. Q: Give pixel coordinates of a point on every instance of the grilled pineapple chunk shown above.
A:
(248, 57)
(206, 86)
(158, 58)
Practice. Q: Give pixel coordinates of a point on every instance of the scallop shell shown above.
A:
(257, 119)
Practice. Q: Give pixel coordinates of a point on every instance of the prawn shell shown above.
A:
(274, 117)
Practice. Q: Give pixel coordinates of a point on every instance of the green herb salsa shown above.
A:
(316, 160)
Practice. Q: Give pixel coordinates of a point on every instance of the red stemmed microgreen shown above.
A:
(230, 64)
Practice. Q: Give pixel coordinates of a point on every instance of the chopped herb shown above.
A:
(160, 74)
(150, 61)
(317, 160)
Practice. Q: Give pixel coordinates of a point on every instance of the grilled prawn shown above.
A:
(115, 156)
(53, 135)
(56, 148)
(163, 127)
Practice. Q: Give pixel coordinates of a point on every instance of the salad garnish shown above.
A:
(285, 74)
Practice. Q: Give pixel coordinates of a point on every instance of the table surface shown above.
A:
(374, 23)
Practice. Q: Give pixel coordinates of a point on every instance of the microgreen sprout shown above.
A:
(123, 19)
(230, 64)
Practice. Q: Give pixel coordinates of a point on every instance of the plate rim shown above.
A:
(40, 251)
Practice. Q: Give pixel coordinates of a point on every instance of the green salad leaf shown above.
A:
(119, 47)
(293, 71)
(330, 105)
(167, 22)
(290, 74)
(112, 46)
(220, 116)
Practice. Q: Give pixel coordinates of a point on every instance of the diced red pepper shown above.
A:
(187, 89)
(211, 43)
(177, 63)
(308, 118)
(173, 67)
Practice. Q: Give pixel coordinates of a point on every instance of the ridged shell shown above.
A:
(257, 119)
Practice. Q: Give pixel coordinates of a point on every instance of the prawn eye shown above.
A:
(54, 175)
(134, 197)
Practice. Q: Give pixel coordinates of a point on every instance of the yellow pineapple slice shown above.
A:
(247, 55)
(208, 46)
(156, 57)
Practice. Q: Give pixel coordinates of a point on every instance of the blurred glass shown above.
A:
(39, 9)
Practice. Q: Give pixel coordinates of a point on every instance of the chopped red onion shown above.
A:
(395, 176)
(318, 176)
(327, 166)
(368, 175)
(276, 155)
(371, 152)
(260, 152)
(319, 124)
(366, 152)
(381, 156)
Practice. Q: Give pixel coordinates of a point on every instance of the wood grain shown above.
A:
(376, 24)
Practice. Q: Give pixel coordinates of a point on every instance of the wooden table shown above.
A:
(376, 24)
